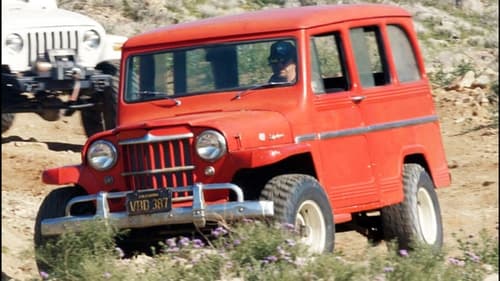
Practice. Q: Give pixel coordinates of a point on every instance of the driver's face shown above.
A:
(285, 69)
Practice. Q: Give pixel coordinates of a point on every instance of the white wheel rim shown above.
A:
(311, 224)
(426, 216)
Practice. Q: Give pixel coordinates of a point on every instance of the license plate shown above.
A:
(149, 201)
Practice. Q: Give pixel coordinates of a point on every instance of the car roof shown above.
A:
(264, 21)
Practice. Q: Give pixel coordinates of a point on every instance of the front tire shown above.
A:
(7, 121)
(103, 116)
(53, 206)
(301, 201)
(418, 217)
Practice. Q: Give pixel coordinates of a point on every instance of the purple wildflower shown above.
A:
(388, 269)
(119, 252)
(197, 243)
(44, 275)
(456, 262)
(184, 241)
(173, 249)
(403, 253)
(271, 259)
(171, 243)
(473, 257)
(288, 226)
(236, 242)
(219, 231)
(290, 242)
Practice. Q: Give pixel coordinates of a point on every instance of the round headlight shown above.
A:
(210, 145)
(102, 155)
(91, 39)
(14, 42)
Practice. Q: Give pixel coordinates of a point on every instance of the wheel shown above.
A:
(300, 200)
(54, 206)
(103, 116)
(418, 217)
(7, 120)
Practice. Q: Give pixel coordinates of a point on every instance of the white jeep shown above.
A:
(57, 62)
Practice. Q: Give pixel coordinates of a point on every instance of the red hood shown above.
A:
(242, 129)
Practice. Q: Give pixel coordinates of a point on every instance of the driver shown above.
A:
(283, 62)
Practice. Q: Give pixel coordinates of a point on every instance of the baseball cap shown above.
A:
(282, 51)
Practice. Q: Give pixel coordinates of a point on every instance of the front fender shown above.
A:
(77, 174)
(62, 175)
(112, 47)
(266, 156)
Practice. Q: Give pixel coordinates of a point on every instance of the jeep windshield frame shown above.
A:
(201, 69)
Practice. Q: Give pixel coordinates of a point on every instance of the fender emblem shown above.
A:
(276, 136)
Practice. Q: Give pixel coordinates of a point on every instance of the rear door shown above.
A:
(394, 98)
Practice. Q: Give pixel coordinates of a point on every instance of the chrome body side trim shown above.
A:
(366, 129)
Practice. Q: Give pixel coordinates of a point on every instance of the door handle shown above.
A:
(357, 99)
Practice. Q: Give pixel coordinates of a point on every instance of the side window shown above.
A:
(369, 56)
(403, 54)
(329, 72)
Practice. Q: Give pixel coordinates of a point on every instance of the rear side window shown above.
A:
(403, 54)
(369, 55)
(328, 64)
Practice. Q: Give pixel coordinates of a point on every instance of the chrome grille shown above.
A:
(40, 42)
(158, 161)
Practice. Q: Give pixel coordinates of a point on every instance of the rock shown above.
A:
(473, 6)
(481, 82)
(467, 80)
(491, 277)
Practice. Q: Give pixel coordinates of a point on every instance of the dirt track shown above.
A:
(32, 145)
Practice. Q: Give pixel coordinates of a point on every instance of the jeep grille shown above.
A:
(155, 162)
(40, 42)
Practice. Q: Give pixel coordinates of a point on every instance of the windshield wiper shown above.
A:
(260, 86)
(149, 95)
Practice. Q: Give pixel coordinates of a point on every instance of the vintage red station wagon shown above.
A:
(318, 116)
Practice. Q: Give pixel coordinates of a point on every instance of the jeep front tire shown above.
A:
(418, 217)
(103, 116)
(7, 120)
(300, 200)
(54, 206)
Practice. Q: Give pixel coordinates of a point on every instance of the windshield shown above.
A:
(210, 68)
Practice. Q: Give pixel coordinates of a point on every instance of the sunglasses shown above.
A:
(278, 60)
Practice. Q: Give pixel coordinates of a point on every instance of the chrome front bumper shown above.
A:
(198, 214)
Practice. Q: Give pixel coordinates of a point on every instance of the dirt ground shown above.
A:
(32, 145)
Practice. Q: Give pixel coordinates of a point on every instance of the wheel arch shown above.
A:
(253, 180)
(111, 67)
(420, 159)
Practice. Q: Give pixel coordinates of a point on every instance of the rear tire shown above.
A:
(418, 217)
(301, 201)
(103, 116)
(7, 121)
(54, 206)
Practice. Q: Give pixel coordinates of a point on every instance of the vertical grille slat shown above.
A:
(166, 162)
(40, 42)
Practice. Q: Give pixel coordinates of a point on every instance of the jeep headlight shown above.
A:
(210, 145)
(102, 155)
(14, 42)
(91, 39)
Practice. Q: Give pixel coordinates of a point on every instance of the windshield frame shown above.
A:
(127, 91)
